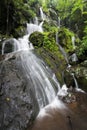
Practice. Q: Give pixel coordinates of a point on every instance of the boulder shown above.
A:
(18, 106)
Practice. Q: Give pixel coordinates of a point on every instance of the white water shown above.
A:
(43, 80)
(76, 84)
(63, 91)
(61, 49)
(58, 22)
(33, 27)
(56, 104)
(55, 79)
(73, 41)
(43, 16)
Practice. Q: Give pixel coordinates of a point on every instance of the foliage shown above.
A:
(46, 39)
(65, 38)
(49, 26)
(14, 14)
(82, 51)
(49, 41)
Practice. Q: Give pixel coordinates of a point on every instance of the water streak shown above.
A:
(73, 41)
(76, 84)
(59, 22)
(43, 16)
(61, 49)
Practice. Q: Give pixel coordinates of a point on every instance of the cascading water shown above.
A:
(44, 84)
(33, 27)
(43, 16)
(61, 49)
(73, 41)
(76, 83)
(58, 22)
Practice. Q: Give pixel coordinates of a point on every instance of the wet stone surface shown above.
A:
(73, 117)
(18, 106)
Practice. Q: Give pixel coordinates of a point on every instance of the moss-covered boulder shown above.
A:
(37, 39)
(65, 39)
(48, 50)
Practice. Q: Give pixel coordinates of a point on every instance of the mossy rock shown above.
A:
(55, 61)
(65, 39)
(0, 47)
(50, 26)
(36, 39)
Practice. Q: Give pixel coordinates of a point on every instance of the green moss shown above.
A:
(50, 41)
(65, 39)
(49, 26)
(54, 61)
(37, 39)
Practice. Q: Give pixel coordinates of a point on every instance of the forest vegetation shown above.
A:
(73, 16)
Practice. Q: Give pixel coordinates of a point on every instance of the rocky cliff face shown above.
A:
(18, 106)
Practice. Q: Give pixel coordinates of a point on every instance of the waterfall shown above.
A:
(33, 27)
(55, 79)
(43, 80)
(76, 84)
(58, 22)
(63, 91)
(61, 49)
(73, 41)
(43, 16)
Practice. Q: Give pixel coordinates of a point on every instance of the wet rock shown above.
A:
(69, 98)
(18, 106)
(1, 57)
(80, 72)
(68, 78)
(73, 59)
(84, 63)
(72, 118)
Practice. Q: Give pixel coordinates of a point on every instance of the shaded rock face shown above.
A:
(18, 106)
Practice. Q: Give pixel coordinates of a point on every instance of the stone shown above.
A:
(18, 106)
